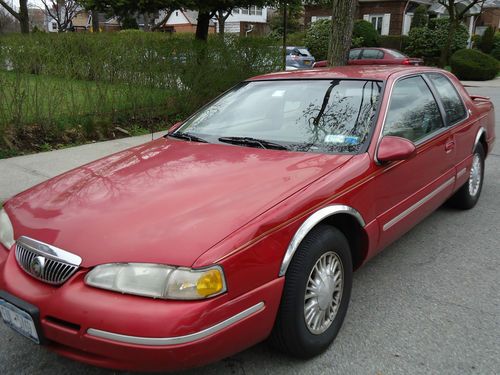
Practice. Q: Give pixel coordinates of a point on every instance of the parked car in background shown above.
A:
(244, 222)
(376, 56)
(298, 58)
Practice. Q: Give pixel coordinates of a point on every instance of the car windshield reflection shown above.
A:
(325, 116)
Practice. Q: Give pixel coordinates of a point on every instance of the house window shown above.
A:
(54, 25)
(377, 22)
(177, 13)
(381, 22)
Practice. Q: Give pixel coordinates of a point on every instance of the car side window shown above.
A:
(354, 54)
(413, 112)
(372, 54)
(453, 105)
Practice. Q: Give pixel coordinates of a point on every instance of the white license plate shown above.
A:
(19, 320)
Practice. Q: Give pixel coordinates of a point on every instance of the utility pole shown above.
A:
(285, 25)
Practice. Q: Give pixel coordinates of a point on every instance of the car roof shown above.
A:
(371, 72)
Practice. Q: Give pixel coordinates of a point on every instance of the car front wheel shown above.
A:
(316, 294)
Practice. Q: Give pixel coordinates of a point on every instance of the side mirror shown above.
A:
(174, 127)
(395, 148)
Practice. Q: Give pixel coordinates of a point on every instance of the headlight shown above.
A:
(6, 230)
(158, 281)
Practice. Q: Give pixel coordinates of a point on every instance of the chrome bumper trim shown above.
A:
(163, 341)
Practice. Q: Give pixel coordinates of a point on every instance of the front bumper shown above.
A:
(123, 332)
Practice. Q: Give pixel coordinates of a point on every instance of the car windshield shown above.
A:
(326, 116)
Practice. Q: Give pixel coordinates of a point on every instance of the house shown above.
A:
(389, 17)
(181, 21)
(248, 20)
(489, 17)
(394, 17)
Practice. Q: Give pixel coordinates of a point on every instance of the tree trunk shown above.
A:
(341, 33)
(95, 21)
(444, 59)
(24, 20)
(203, 25)
(147, 20)
(222, 22)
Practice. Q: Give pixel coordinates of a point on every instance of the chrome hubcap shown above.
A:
(323, 293)
(475, 175)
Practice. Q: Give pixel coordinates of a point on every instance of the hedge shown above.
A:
(473, 65)
(398, 42)
(364, 29)
(72, 88)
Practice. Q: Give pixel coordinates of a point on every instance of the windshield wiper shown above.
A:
(248, 141)
(187, 137)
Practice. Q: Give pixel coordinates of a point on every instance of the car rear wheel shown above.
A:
(316, 294)
(468, 195)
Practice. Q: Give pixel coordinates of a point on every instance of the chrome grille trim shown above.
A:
(56, 266)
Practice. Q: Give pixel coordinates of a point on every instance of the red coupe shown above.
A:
(375, 56)
(245, 222)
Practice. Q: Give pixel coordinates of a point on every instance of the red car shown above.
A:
(244, 222)
(375, 56)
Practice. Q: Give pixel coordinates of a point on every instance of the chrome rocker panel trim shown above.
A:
(309, 224)
(419, 204)
(165, 341)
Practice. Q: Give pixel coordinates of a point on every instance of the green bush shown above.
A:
(487, 41)
(318, 38)
(496, 40)
(496, 53)
(296, 39)
(426, 42)
(71, 88)
(364, 29)
(473, 65)
(398, 42)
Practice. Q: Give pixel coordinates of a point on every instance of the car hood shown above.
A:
(167, 201)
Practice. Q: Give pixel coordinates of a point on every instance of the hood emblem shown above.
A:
(37, 266)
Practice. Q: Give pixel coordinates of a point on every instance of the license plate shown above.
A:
(19, 320)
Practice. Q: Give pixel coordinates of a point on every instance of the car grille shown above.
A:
(45, 262)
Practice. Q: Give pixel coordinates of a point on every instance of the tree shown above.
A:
(457, 11)
(341, 34)
(62, 12)
(8, 23)
(22, 15)
(294, 13)
(420, 17)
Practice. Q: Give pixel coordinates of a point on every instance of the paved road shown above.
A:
(429, 304)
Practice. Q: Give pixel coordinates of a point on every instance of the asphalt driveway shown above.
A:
(428, 304)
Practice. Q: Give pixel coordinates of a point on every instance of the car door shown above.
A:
(459, 122)
(371, 56)
(406, 191)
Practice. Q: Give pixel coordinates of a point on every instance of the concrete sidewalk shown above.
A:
(22, 172)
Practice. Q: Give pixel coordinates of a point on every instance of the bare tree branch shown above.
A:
(62, 12)
(9, 9)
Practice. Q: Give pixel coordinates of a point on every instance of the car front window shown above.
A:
(330, 116)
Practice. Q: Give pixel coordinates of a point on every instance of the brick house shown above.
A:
(389, 17)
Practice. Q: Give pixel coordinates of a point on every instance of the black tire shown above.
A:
(291, 334)
(464, 198)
